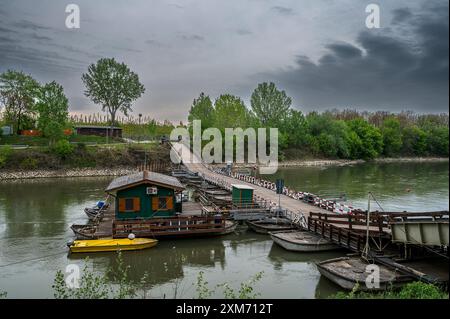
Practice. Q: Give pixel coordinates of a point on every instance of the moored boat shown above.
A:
(84, 231)
(349, 271)
(301, 241)
(264, 226)
(110, 244)
(96, 212)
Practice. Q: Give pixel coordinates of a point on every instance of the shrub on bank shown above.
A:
(5, 153)
(414, 290)
(63, 149)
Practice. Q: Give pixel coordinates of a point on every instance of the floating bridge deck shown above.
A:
(194, 164)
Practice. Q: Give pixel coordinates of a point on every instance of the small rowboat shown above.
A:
(110, 244)
(301, 241)
(96, 212)
(84, 231)
(264, 226)
(347, 272)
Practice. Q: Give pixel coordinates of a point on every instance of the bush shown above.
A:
(5, 154)
(63, 149)
(420, 290)
(413, 290)
(29, 163)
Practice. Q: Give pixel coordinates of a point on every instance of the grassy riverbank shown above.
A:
(68, 156)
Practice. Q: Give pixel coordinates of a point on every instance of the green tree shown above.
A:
(17, 94)
(437, 141)
(371, 139)
(392, 136)
(202, 109)
(52, 107)
(113, 85)
(230, 112)
(270, 105)
(297, 129)
(414, 141)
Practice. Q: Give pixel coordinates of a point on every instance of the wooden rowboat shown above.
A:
(348, 271)
(110, 244)
(84, 231)
(301, 241)
(264, 226)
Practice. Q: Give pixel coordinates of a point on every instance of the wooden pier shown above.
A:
(194, 164)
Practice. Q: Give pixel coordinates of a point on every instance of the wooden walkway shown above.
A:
(287, 202)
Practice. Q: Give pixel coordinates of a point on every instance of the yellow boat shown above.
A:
(111, 244)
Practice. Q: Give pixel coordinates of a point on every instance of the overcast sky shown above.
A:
(320, 52)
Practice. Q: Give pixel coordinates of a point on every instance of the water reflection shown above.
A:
(398, 186)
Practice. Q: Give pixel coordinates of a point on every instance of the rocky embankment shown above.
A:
(80, 172)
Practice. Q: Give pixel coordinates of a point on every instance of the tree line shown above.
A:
(346, 134)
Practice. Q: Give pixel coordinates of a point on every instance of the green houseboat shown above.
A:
(149, 204)
(146, 195)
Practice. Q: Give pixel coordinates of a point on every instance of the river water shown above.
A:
(35, 216)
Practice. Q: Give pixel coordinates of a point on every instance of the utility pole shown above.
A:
(140, 129)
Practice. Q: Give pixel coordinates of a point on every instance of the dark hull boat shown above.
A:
(96, 213)
(349, 271)
(264, 226)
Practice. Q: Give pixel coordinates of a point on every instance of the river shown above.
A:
(35, 216)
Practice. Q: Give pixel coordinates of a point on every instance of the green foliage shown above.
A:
(392, 136)
(53, 111)
(93, 286)
(113, 85)
(270, 105)
(63, 148)
(3, 294)
(414, 290)
(5, 154)
(437, 141)
(17, 93)
(230, 112)
(29, 163)
(414, 141)
(203, 292)
(202, 109)
(245, 291)
(420, 290)
(344, 134)
(371, 139)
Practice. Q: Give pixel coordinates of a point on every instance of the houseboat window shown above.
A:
(129, 204)
(162, 204)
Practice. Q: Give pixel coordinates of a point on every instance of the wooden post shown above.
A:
(380, 223)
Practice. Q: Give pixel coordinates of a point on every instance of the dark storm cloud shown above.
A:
(381, 70)
(25, 24)
(400, 15)
(181, 48)
(6, 30)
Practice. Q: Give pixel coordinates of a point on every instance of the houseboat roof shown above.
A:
(241, 186)
(98, 127)
(142, 178)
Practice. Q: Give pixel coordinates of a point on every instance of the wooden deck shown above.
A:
(287, 202)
